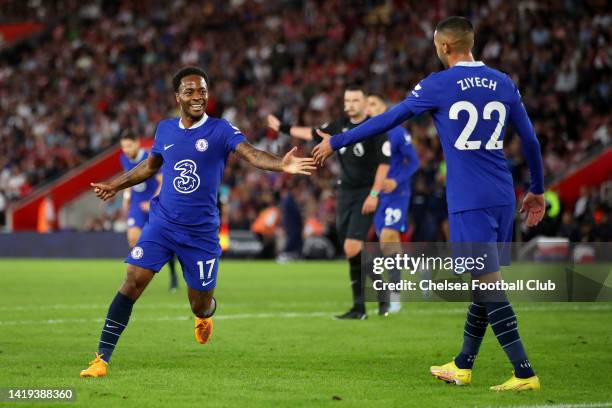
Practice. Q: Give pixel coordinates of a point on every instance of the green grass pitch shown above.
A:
(275, 343)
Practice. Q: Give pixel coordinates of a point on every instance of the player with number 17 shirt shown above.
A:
(191, 151)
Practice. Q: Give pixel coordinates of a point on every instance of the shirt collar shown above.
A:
(469, 64)
(138, 157)
(195, 125)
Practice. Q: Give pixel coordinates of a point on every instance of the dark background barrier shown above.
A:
(70, 244)
(78, 244)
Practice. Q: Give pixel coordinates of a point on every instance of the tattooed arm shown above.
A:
(146, 169)
(267, 161)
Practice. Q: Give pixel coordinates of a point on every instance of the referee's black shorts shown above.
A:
(350, 222)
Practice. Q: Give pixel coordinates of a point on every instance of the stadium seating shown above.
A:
(66, 94)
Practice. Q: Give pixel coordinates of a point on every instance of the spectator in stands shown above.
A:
(3, 205)
(86, 78)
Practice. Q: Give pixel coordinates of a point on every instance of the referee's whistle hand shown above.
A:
(323, 150)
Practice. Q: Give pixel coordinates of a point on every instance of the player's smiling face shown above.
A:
(192, 96)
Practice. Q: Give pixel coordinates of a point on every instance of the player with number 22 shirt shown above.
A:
(471, 105)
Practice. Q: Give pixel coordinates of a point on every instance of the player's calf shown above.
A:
(117, 318)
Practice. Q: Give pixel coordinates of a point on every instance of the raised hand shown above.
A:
(104, 191)
(297, 165)
(323, 150)
(273, 122)
(534, 206)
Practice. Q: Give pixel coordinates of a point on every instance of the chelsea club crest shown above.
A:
(201, 145)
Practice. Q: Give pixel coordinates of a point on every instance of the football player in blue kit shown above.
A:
(191, 152)
(136, 200)
(471, 105)
(391, 217)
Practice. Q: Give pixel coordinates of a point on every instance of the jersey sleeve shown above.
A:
(423, 97)
(233, 137)
(383, 149)
(158, 144)
(529, 142)
(408, 152)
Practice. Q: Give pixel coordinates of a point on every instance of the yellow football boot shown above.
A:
(519, 384)
(450, 373)
(203, 329)
(97, 367)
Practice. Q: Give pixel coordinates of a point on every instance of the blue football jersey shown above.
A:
(471, 105)
(194, 161)
(404, 160)
(144, 191)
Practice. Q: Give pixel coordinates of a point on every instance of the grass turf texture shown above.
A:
(275, 343)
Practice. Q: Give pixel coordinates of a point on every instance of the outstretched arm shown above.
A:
(299, 132)
(375, 126)
(138, 174)
(267, 161)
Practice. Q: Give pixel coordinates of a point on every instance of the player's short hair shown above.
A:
(376, 95)
(128, 134)
(356, 87)
(455, 24)
(186, 71)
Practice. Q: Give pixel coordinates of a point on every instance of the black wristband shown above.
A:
(285, 128)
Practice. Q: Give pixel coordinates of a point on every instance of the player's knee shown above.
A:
(389, 235)
(134, 283)
(352, 248)
(390, 242)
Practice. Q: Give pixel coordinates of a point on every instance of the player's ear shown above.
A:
(176, 95)
(446, 48)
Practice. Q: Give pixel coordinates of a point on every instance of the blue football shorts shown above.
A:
(484, 232)
(198, 253)
(392, 213)
(137, 217)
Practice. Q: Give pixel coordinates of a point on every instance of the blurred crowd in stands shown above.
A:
(104, 65)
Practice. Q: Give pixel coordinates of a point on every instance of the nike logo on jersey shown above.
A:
(166, 147)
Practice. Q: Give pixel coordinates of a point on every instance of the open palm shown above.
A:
(297, 165)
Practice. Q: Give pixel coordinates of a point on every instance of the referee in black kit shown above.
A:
(364, 168)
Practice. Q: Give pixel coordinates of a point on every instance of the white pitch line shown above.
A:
(168, 318)
(544, 307)
(426, 312)
(564, 405)
(181, 305)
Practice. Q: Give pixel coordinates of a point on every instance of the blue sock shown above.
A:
(505, 326)
(116, 320)
(473, 333)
